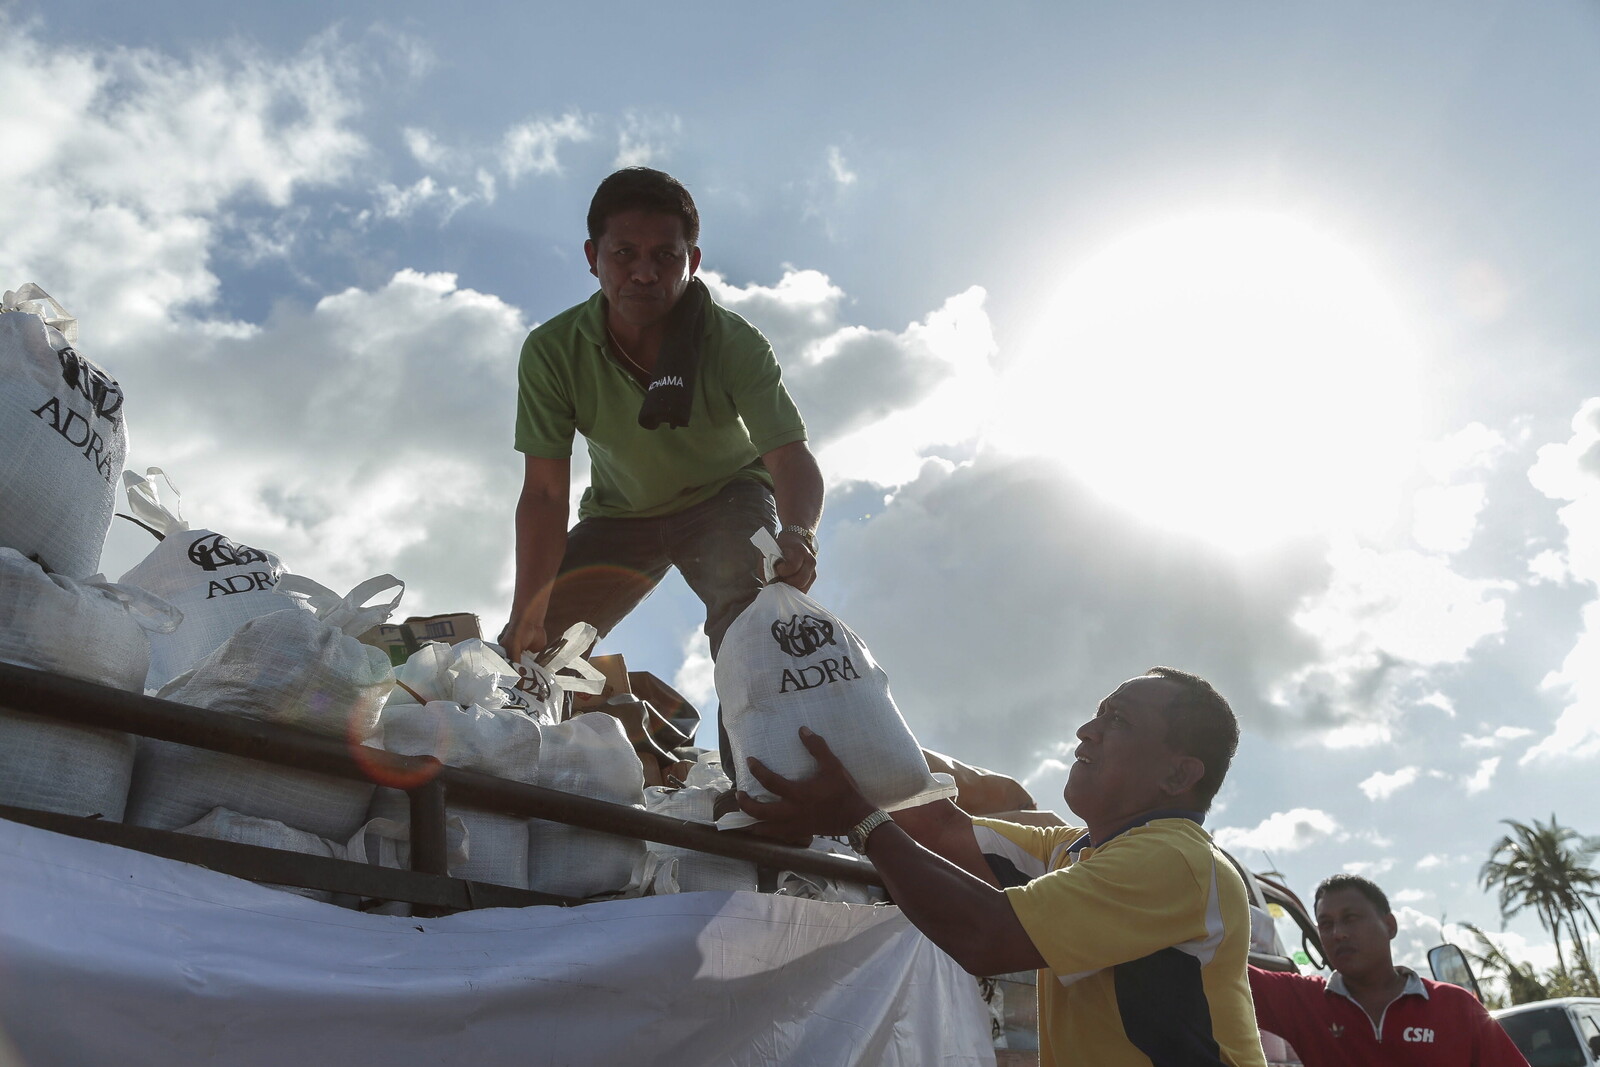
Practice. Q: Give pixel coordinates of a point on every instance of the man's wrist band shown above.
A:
(863, 830)
(806, 535)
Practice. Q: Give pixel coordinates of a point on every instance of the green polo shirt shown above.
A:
(569, 383)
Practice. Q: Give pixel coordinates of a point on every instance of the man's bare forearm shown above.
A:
(797, 488)
(541, 543)
(967, 917)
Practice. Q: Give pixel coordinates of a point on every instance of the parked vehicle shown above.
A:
(1555, 1033)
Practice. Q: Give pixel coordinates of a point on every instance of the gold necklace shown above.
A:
(623, 352)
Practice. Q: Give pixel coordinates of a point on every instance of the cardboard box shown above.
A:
(400, 640)
(617, 684)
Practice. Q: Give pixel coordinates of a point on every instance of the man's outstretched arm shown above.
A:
(797, 491)
(541, 541)
(963, 914)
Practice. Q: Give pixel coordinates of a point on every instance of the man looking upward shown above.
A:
(1138, 925)
(693, 441)
(1372, 1013)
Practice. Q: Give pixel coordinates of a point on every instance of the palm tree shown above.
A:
(1522, 982)
(1548, 868)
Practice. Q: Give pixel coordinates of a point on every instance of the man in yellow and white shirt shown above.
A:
(1138, 925)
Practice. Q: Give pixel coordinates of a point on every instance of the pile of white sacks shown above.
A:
(208, 621)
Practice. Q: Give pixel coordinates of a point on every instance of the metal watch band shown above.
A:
(863, 830)
(805, 534)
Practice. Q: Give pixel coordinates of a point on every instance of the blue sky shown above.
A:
(1255, 340)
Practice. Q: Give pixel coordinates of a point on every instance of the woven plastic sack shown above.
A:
(93, 631)
(387, 843)
(589, 755)
(300, 668)
(464, 723)
(808, 886)
(549, 676)
(220, 824)
(62, 438)
(787, 662)
(218, 583)
(494, 845)
(670, 869)
(293, 668)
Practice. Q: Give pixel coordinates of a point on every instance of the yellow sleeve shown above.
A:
(1037, 841)
(1131, 897)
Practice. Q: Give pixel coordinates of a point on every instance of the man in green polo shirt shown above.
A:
(693, 441)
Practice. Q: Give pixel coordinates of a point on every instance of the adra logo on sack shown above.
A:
(802, 634)
(215, 552)
(91, 383)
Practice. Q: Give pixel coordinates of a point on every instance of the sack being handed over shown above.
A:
(62, 438)
(787, 662)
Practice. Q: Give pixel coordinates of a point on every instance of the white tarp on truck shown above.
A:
(109, 956)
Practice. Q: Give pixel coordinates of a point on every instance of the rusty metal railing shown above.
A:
(429, 785)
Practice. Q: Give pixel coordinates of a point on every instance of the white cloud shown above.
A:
(397, 203)
(1498, 738)
(1405, 605)
(1549, 566)
(1368, 868)
(874, 401)
(1431, 861)
(838, 168)
(532, 147)
(119, 166)
(1473, 448)
(1381, 786)
(1050, 772)
(1383, 621)
(1444, 518)
(424, 148)
(1409, 896)
(1285, 831)
(1480, 779)
(1438, 700)
(696, 678)
(644, 139)
(367, 434)
(1570, 471)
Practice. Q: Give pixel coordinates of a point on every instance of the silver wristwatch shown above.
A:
(863, 830)
(805, 533)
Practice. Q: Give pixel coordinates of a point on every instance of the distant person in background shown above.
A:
(1138, 925)
(694, 444)
(1372, 1012)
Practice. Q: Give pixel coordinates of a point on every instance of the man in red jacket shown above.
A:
(1372, 1012)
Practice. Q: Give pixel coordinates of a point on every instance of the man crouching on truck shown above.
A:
(1140, 928)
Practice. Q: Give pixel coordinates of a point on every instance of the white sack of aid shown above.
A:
(62, 438)
(218, 583)
(788, 662)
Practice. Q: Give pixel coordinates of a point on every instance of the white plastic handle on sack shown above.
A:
(545, 678)
(767, 545)
(348, 613)
(148, 610)
(32, 300)
(144, 500)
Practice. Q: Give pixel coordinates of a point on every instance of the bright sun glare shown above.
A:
(1239, 375)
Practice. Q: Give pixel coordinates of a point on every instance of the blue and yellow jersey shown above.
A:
(1147, 937)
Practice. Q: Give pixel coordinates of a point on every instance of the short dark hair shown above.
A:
(1200, 724)
(1365, 886)
(643, 189)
